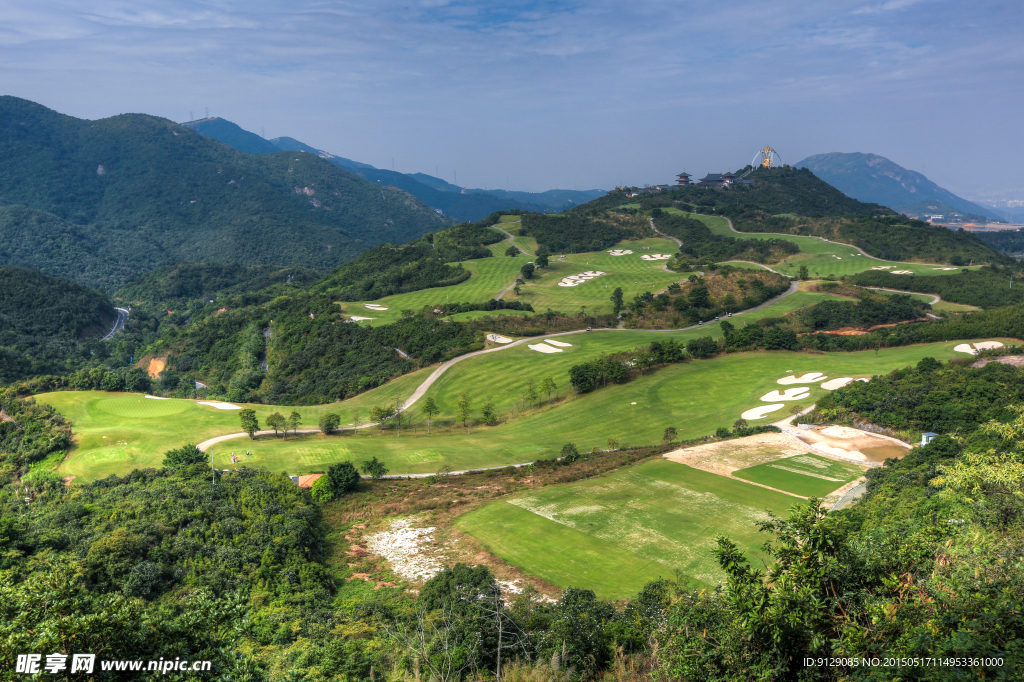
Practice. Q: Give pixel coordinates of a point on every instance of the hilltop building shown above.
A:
(684, 179)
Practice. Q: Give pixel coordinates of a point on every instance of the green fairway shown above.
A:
(807, 475)
(821, 258)
(630, 272)
(615, 533)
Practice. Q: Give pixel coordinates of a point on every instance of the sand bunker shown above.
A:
(543, 348)
(797, 393)
(761, 412)
(357, 318)
(903, 272)
(620, 252)
(576, 280)
(498, 338)
(563, 344)
(808, 378)
(839, 383)
(883, 267)
(156, 397)
(841, 432)
(374, 306)
(973, 348)
(838, 452)
(656, 256)
(219, 405)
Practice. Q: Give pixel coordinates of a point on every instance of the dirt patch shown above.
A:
(1012, 360)
(156, 365)
(846, 443)
(834, 496)
(739, 453)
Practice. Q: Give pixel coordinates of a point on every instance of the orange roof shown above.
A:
(308, 480)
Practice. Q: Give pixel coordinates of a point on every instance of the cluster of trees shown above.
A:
(29, 433)
(767, 333)
(489, 304)
(619, 367)
(1007, 242)
(866, 312)
(987, 287)
(389, 269)
(954, 398)
(700, 245)
(574, 232)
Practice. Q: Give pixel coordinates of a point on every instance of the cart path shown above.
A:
(444, 367)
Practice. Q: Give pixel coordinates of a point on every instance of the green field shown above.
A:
(615, 533)
(807, 475)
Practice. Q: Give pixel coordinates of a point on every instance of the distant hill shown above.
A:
(44, 322)
(457, 202)
(132, 192)
(874, 178)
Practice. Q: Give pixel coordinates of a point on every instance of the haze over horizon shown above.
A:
(564, 94)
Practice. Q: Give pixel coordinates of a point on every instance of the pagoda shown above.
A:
(684, 179)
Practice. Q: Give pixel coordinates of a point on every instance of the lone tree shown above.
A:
(430, 409)
(531, 392)
(355, 418)
(569, 453)
(542, 260)
(511, 251)
(548, 386)
(249, 422)
(670, 435)
(527, 270)
(464, 407)
(489, 415)
(613, 444)
(277, 422)
(617, 301)
(329, 423)
(294, 419)
(343, 477)
(186, 454)
(803, 274)
(322, 491)
(374, 468)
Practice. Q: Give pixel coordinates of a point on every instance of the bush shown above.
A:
(343, 477)
(329, 423)
(569, 453)
(185, 455)
(322, 490)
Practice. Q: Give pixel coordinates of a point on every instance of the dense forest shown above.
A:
(172, 286)
(988, 287)
(866, 312)
(46, 325)
(183, 197)
(574, 232)
(700, 245)
(1005, 241)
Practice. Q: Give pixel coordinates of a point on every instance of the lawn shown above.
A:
(807, 475)
(615, 533)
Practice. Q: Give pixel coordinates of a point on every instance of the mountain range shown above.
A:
(101, 202)
(458, 202)
(874, 178)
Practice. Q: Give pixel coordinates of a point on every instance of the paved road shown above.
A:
(679, 242)
(935, 300)
(122, 319)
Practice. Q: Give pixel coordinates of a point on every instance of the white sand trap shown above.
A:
(219, 405)
(841, 432)
(973, 348)
(630, 404)
(656, 256)
(883, 267)
(761, 412)
(543, 348)
(838, 452)
(156, 397)
(374, 306)
(498, 338)
(903, 272)
(947, 268)
(620, 252)
(808, 378)
(563, 283)
(593, 273)
(836, 383)
(357, 318)
(563, 344)
(797, 393)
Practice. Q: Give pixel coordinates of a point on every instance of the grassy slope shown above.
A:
(695, 397)
(809, 486)
(820, 257)
(614, 533)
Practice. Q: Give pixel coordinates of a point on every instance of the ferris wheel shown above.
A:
(769, 158)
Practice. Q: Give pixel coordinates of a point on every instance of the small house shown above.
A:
(305, 481)
(928, 437)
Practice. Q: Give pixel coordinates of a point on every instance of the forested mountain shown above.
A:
(179, 196)
(874, 178)
(454, 201)
(44, 322)
(174, 285)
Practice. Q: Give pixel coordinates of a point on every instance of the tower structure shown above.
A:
(769, 158)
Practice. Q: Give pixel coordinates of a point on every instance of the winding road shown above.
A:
(119, 323)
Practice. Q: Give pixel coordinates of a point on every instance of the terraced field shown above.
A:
(807, 475)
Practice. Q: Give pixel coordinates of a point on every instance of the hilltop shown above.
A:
(156, 193)
(874, 178)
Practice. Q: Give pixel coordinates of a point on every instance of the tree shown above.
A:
(698, 296)
(374, 468)
(277, 422)
(527, 270)
(464, 406)
(703, 347)
(381, 415)
(322, 491)
(249, 422)
(489, 414)
(613, 444)
(542, 260)
(569, 453)
(670, 435)
(294, 419)
(531, 391)
(329, 423)
(548, 386)
(430, 409)
(355, 418)
(617, 302)
(344, 478)
(511, 251)
(186, 454)
(802, 273)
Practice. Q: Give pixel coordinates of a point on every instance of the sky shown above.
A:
(563, 94)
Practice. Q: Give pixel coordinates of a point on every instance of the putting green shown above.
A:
(135, 406)
(807, 475)
(614, 533)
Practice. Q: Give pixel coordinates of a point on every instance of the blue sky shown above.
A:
(533, 95)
